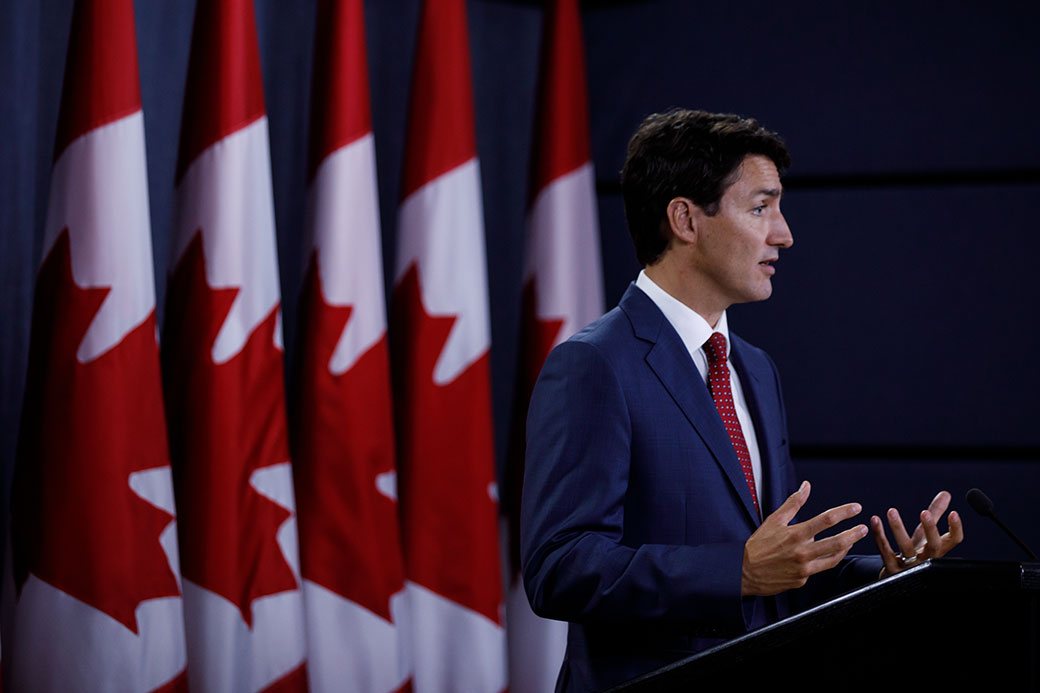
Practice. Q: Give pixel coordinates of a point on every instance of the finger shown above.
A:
(939, 504)
(826, 563)
(829, 518)
(934, 543)
(829, 560)
(888, 556)
(790, 507)
(956, 533)
(839, 543)
(937, 507)
(906, 546)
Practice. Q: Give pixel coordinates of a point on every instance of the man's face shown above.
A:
(737, 246)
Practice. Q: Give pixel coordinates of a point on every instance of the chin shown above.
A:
(760, 294)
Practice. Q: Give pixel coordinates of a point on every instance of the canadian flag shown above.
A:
(342, 423)
(223, 376)
(563, 291)
(95, 601)
(440, 336)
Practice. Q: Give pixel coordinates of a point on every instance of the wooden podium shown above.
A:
(947, 622)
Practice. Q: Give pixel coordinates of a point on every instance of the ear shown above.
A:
(681, 216)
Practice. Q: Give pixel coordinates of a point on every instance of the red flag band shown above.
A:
(223, 376)
(343, 436)
(440, 336)
(563, 291)
(96, 599)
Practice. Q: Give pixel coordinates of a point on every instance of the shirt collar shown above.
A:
(693, 329)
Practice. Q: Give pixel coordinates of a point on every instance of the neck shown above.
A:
(687, 287)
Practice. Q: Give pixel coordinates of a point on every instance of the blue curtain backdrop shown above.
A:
(903, 321)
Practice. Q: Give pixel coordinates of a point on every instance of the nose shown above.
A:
(780, 233)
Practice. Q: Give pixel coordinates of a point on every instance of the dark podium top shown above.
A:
(946, 622)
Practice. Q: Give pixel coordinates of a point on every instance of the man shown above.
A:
(659, 496)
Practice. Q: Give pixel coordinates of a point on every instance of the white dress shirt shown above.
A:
(694, 331)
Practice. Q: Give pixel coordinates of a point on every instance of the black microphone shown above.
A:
(981, 503)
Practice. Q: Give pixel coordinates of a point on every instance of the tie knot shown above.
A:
(715, 348)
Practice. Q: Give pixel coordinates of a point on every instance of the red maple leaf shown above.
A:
(343, 439)
(537, 337)
(446, 461)
(76, 523)
(225, 421)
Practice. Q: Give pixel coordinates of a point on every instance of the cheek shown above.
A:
(743, 252)
(751, 247)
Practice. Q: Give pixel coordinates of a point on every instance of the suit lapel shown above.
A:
(671, 363)
(756, 380)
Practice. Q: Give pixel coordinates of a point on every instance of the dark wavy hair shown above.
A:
(684, 153)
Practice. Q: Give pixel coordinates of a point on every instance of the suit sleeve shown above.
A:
(576, 564)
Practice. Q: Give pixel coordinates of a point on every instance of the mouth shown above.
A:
(767, 265)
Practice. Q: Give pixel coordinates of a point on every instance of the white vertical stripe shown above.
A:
(470, 658)
(441, 229)
(233, 657)
(99, 190)
(563, 253)
(343, 215)
(351, 648)
(226, 192)
(58, 643)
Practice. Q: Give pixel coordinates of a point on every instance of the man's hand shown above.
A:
(925, 542)
(780, 556)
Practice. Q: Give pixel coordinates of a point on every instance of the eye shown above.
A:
(759, 210)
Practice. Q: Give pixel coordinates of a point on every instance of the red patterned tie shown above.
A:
(718, 383)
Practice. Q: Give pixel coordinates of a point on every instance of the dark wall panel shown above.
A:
(907, 316)
(852, 86)
(164, 40)
(620, 266)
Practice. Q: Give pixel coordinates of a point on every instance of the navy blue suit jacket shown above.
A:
(635, 509)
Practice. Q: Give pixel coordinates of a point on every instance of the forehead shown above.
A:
(756, 175)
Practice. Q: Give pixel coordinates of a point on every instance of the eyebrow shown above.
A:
(771, 192)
